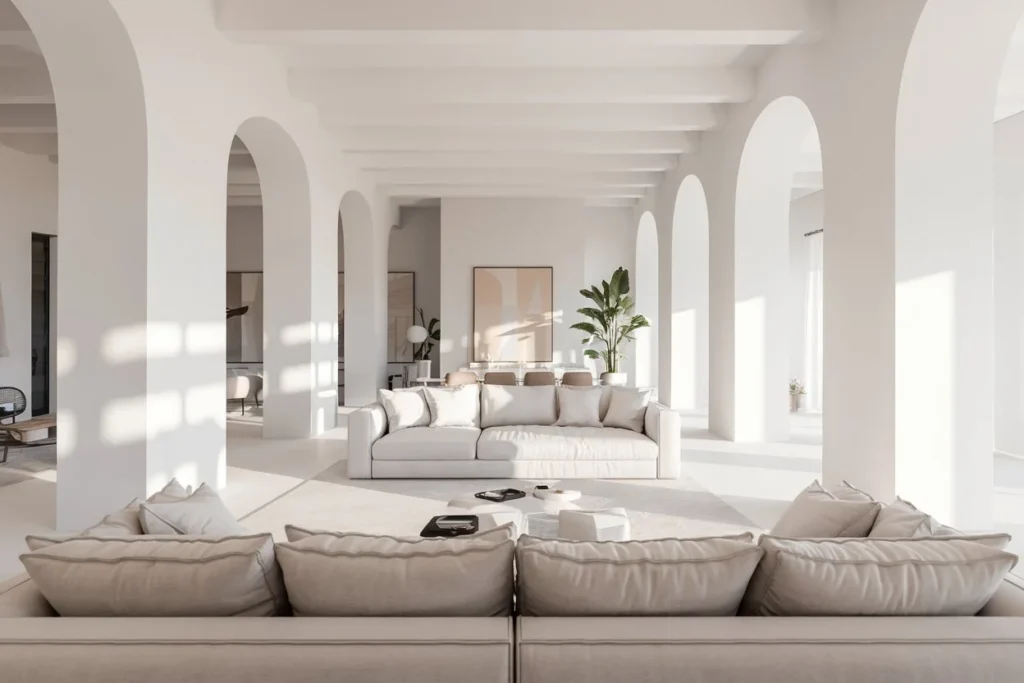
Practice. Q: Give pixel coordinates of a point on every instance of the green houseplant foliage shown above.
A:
(611, 320)
(422, 351)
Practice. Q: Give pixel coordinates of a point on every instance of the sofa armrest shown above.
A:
(664, 426)
(1008, 600)
(19, 597)
(365, 426)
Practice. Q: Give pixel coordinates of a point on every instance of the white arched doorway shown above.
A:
(764, 301)
(645, 280)
(688, 356)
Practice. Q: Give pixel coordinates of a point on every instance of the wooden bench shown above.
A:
(17, 434)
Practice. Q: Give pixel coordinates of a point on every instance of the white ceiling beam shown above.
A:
(515, 159)
(607, 203)
(383, 139)
(28, 119)
(720, 22)
(411, 191)
(507, 86)
(20, 85)
(522, 176)
(609, 117)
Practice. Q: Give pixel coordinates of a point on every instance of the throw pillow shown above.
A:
(160, 577)
(874, 577)
(580, 407)
(124, 522)
(902, 520)
(201, 514)
(606, 396)
(501, 406)
(668, 577)
(454, 406)
(405, 408)
(847, 492)
(815, 513)
(348, 574)
(627, 409)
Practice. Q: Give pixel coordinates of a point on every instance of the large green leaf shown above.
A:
(616, 284)
(589, 328)
(624, 282)
(591, 353)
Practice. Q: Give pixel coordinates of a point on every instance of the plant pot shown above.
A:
(796, 402)
(422, 369)
(614, 379)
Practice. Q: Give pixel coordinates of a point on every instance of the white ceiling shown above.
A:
(473, 98)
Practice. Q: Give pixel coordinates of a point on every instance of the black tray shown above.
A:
(431, 530)
(507, 494)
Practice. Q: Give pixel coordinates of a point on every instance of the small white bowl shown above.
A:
(557, 495)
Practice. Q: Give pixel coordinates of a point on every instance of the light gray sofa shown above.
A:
(36, 647)
(530, 451)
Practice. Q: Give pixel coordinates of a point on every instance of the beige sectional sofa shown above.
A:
(37, 647)
(500, 447)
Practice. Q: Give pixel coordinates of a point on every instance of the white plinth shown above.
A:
(594, 525)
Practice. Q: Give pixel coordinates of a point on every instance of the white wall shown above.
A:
(806, 214)
(583, 245)
(1009, 285)
(28, 204)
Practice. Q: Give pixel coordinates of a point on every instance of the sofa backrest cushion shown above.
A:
(579, 406)
(902, 520)
(454, 406)
(148, 576)
(201, 514)
(405, 408)
(667, 577)
(816, 513)
(502, 406)
(874, 577)
(338, 574)
(627, 408)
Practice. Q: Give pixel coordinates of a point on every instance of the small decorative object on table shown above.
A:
(796, 395)
(556, 495)
(500, 495)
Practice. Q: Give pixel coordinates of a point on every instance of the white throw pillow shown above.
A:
(201, 514)
(845, 491)
(816, 513)
(405, 408)
(580, 407)
(160, 577)
(454, 406)
(667, 577)
(874, 577)
(627, 409)
(502, 406)
(348, 574)
(903, 520)
(606, 396)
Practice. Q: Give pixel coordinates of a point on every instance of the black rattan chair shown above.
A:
(12, 404)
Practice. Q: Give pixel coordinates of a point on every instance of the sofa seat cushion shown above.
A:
(428, 443)
(533, 442)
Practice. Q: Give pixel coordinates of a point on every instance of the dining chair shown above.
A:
(460, 378)
(577, 379)
(539, 379)
(507, 379)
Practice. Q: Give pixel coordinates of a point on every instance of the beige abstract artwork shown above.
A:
(512, 315)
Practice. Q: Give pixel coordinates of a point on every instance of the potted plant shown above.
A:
(423, 337)
(611, 323)
(796, 395)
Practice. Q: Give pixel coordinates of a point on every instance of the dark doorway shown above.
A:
(40, 324)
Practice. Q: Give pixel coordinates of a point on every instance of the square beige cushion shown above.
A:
(903, 520)
(405, 408)
(846, 491)
(338, 574)
(627, 409)
(874, 577)
(816, 513)
(579, 406)
(160, 577)
(667, 577)
(453, 406)
(501, 406)
(201, 514)
(124, 522)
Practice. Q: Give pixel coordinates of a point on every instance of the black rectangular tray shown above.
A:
(508, 494)
(431, 530)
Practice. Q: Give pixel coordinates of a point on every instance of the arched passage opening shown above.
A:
(646, 284)
(947, 282)
(766, 306)
(690, 298)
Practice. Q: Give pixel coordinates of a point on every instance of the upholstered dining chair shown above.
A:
(577, 379)
(460, 378)
(507, 379)
(539, 379)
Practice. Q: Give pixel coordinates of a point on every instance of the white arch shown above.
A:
(944, 208)
(690, 297)
(762, 307)
(646, 284)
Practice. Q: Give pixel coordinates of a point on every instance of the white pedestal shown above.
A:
(594, 525)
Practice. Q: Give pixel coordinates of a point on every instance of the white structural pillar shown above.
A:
(645, 287)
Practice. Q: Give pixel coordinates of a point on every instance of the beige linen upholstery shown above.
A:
(579, 406)
(663, 426)
(461, 378)
(428, 443)
(365, 426)
(577, 379)
(627, 408)
(874, 577)
(19, 597)
(285, 650)
(507, 379)
(564, 443)
(147, 576)
(405, 408)
(539, 378)
(347, 574)
(902, 520)
(816, 513)
(502, 406)
(666, 577)
(201, 514)
(761, 650)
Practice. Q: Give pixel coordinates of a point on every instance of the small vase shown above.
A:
(422, 369)
(796, 403)
(614, 379)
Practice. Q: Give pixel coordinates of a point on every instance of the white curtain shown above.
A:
(813, 322)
